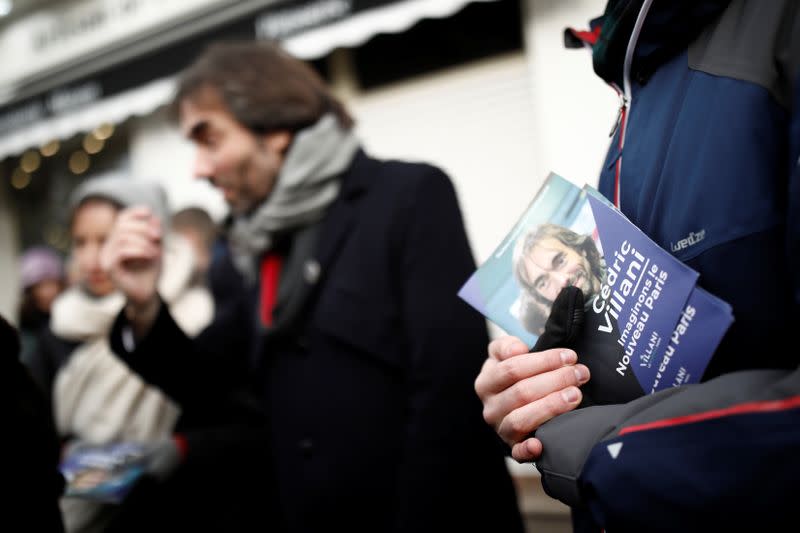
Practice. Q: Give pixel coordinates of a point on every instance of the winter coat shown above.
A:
(366, 373)
(705, 161)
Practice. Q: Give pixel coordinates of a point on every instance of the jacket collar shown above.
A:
(316, 247)
(337, 224)
(670, 26)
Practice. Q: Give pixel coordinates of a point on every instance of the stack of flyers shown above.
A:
(105, 473)
(645, 317)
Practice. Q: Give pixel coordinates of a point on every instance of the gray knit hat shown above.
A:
(124, 191)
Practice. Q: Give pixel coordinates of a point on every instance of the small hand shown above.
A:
(132, 256)
(521, 391)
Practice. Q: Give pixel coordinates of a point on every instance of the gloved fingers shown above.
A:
(565, 321)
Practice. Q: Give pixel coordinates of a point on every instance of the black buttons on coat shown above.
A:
(311, 271)
(303, 343)
(306, 447)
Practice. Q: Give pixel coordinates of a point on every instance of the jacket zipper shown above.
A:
(619, 124)
(625, 95)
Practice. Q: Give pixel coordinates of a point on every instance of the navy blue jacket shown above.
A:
(706, 170)
(705, 161)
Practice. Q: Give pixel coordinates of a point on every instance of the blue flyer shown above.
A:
(683, 359)
(645, 291)
(501, 288)
(647, 325)
(104, 472)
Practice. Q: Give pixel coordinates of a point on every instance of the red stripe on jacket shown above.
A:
(741, 409)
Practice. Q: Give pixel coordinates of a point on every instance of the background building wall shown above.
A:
(9, 292)
(573, 109)
(497, 126)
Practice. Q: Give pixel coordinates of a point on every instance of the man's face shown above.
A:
(242, 165)
(552, 265)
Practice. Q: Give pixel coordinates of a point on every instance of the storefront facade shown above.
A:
(482, 88)
(493, 106)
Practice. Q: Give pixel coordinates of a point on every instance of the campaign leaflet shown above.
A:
(105, 472)
(700, 328)
(644, 292)
(495, 291)
(637, 295)
(653, 299)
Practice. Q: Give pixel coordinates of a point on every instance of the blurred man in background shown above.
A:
(340, 301)
(42, 276)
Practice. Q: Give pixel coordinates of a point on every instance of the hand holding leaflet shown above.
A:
(645, 324)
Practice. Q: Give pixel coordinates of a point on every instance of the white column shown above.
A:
(9, 255)
(573, 109)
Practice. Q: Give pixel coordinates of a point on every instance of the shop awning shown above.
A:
(114, 109)
(80, 99)
(392, 17)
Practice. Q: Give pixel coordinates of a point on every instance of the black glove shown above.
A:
(565, 322)
(570, 326)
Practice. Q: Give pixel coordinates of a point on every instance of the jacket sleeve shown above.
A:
(166, 357)
(219, 413)
(202, 373)
(792, 66)
(724, 450)
(447, 340)
(189, 369)
(720, 454)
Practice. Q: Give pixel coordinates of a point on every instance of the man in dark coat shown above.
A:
(339, 303)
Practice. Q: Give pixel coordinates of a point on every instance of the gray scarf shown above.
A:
(306, 185)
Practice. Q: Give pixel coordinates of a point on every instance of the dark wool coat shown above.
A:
(366, 375)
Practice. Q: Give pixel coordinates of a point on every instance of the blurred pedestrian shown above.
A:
(346, 270)
(96, 398)
(42, 277)
(197, 227)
